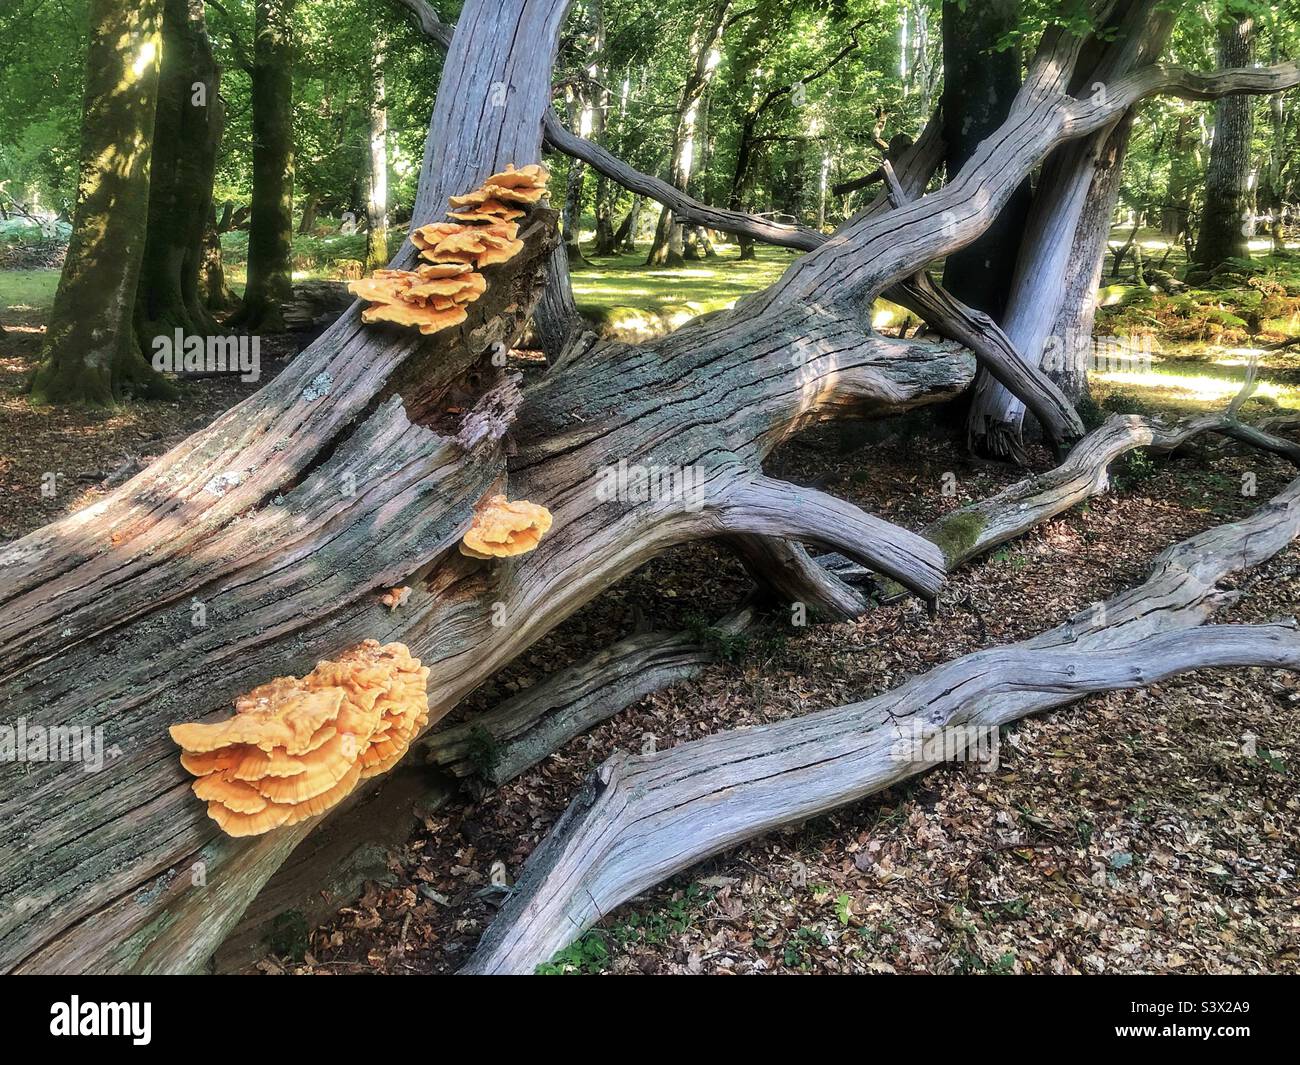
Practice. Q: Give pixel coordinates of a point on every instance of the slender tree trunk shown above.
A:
(187, 134)
(310, 209)
(1182, 162)
(605, 192)
(1066, 362)
(1225, 217)
(270, 232)
(91, 354)
(579, 108)
(625, 235)
(1272, 194)
(213, 290)
(377, 200)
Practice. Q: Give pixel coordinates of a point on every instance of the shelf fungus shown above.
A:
(395, 597)
(502, 528)
(298, 746)
(488, 211)
(431, 297)
(525, 185)
(450, 243)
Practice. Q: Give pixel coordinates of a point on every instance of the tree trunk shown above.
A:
(377, 254)
(310, 209)
(270, 231)
(625, 235)
(1044, 263)
(667, 249)
(187, 133)
(213, 290)
(1272, 186)
(1182, 162)
(1066, 359)
(120, 869)
(91, 354)
(1226, 214)
(580, 117)
(604, 205)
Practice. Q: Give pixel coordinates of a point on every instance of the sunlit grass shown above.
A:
(1191, 384)
(26, 291)
(623, 294)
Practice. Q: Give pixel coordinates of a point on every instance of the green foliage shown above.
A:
(759, 645)
(1131, 469)
(593, 952)
(588, 956)
(484, 750)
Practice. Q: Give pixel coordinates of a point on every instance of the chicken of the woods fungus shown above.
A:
(395, 597)
(502, 528)
(298, 746)
(486, 233)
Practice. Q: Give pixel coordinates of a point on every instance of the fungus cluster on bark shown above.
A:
(502, 528)
(433, 296)
(298, 746)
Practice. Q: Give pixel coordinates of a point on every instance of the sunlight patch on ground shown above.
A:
(1202, 388)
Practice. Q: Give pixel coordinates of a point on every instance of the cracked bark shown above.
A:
(248, 516)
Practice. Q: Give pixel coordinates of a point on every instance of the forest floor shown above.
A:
(1139, 831)
(1145, 831)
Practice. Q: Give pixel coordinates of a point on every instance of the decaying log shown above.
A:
(642, 818)
(521, 731)
(358, 469)
(596, 688)
(349, 473)
(972, 530)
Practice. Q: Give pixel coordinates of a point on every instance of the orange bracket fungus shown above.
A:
(297, 747)
(430, 298)
(485, 233)
(395, 597)
(502, 528)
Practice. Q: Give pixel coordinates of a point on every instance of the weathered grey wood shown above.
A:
(252, 519)
(975, 529)
(616, 677)
(767, 507)
(523, 730)
(943, 312)
(784, 571)
(642, 818)
(357, 469)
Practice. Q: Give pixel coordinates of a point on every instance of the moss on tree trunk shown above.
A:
(90, 353)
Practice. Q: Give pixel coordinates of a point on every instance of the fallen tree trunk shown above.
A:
(358, 468)
(521, 731)
(502, 743)
(642, 818)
